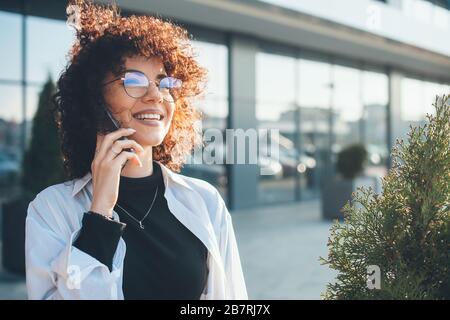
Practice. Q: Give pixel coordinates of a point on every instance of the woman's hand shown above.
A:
(106, 167)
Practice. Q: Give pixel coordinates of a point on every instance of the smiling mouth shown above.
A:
(149, 117)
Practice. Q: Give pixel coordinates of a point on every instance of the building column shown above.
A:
(242, 178)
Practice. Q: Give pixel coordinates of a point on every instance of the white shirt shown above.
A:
(55, 269)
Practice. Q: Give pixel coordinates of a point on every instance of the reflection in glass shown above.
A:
(314, 98)
(275, 108)
(347, 106)
(10, 138)
(417, 97)
(375, 97)
(10, 55)
(360, 105)
(214, 108)
(413, 104)
(47, 54)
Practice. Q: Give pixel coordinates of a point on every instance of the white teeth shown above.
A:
(152, 116)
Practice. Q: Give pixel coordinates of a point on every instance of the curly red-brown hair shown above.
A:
(103, 40)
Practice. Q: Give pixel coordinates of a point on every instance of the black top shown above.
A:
(165, 260)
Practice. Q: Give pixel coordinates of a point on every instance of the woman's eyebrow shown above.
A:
(160, 76)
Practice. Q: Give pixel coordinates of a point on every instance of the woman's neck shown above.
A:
(131, 170)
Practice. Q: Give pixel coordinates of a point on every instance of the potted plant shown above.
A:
(336, 192)
(42, 166)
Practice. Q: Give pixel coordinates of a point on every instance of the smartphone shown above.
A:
(117, 126)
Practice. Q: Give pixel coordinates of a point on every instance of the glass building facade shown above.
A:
(320, 103)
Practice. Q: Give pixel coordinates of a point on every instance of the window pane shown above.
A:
(275, 108)
(47, 54)
(314, 94)
(347, 107)
(360, 116)
(11, 103)
(10, 139)
(375, 88)
(414, 106)
(214, 57)
(417, 97)
(10, 55)
(432, 90)
(375, 97)
(214, 107)
(315, 84)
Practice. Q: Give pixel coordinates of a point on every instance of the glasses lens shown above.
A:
(166, 84)
(135, 83)
(169, 83)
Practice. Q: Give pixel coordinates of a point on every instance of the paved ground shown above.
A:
(279, 247)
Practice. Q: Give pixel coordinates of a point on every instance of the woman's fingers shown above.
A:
(109, 139)
(98, 143)
(124, 156)
(119, 145)
(106, 167)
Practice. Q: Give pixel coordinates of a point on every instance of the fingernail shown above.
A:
(131, 130)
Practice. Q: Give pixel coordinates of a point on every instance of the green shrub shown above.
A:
(405, 231)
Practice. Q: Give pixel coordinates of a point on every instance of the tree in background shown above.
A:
(42, 163)
(42, 167)
(405, 231)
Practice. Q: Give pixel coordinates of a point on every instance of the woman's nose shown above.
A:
(153, 93)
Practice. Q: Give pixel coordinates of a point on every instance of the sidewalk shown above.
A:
(279, 248)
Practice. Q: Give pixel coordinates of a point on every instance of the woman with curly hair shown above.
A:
(127, 225)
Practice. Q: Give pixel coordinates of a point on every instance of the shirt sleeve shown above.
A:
(55, 268)
(99, 237)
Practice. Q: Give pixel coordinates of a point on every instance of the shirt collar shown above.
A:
(168, 176)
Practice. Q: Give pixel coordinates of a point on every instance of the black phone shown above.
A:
(117, 126)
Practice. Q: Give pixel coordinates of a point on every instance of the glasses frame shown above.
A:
(122, 78)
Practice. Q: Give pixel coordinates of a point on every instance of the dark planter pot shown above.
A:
(338, 191)
(14, 213)
(335, 194)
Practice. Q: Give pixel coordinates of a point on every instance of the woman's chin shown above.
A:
(147, 141)
(149, 135)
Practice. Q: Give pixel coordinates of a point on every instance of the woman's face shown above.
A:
(128, 110)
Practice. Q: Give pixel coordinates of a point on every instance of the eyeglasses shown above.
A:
(136, 85)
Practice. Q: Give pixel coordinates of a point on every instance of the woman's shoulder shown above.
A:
(208, 194)
(53, 205)
(203, 187)
(61, 190)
